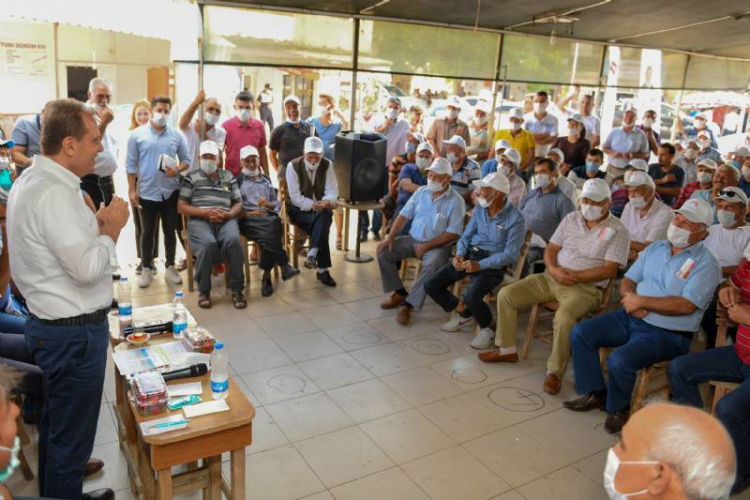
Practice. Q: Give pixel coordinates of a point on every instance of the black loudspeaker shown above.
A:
(360, 166)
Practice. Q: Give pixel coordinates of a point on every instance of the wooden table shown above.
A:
(359, 206)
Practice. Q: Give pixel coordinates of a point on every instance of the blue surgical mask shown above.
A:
(592, 166)
(14, 462)
(736, 164)
(411, 148)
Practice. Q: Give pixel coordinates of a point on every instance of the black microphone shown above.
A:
(191, 371)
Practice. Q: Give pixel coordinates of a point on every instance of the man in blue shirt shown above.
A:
(664, 296)
(437, 214)
(157, 153)
(489, 247)
(413, 175)
(27, 136)
(465, 170)
(491, 164)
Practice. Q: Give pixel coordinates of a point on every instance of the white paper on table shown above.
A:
(205, 408)
(147, 428)
(132, 361)
(189, 389)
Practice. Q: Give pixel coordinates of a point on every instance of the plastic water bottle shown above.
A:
(124, 304)
(179, 318)
(219, 374)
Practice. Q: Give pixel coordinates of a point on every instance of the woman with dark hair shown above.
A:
(574, 145)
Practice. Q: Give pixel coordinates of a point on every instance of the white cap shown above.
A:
(576, 117)
(743, 151)
(502, 144)
(558, 152)
(516, 113)
(454, 101)
(640, 179)
(732, 194)
(483, 106)
(513, 155)
(395, 99)
(209, 148)
(704, 133)
(416, 135)
(496, 181)
(708, 162)
(425, 146)
(441, 166)
(697, 211)
(457, 140)
(292, 98)
(700, 115)
(313, 145)
(595, 189)
(248, 151)
(638, 164)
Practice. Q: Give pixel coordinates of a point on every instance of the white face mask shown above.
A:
(573, 131)
(542, 180)
(211, 119)
(452, 114)
(423, 163)
(638, 202)
(393, 113)
(293, 122)
(648, 122)
(452, 158)
(208, 166)
(610, 472)
(481, 120)
(591, 212)
(505, 169)
(311, 166)
(678, 237)
(434, 186)
(243, 115)
(160, 119)
(4, 162)
(726, 219)
(746, 173)
(322, 110)
(484, 202)
(700, 124)
(540, 107)
(705, 177)
(515, 126)
(251, 172)
(690, 154)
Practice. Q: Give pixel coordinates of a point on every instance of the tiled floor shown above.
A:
(352, 406)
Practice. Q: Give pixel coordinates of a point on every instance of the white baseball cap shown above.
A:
(483, 106)
(708, 162)
(638, 164)
(502, 144)
(457, 140)
(441, 166)
(248, 151)
(454, 101)
(558, 152)
(576, 117)
(292, 98)
(513, 155)
(425, 146)
(313, 145)
(732, 194)
(515, 113)
(209, 148)
(496, 181)
(595, 189)
(704, 133)
(697, 211)
(742, 151)
(416, 135)
(640, 179)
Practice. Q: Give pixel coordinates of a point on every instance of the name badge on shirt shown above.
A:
(684, 272)
(606, 234)
(499, 227)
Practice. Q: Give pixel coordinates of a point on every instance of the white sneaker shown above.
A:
(144, 280)
(484, 340)
(457, 322)
(172, 276)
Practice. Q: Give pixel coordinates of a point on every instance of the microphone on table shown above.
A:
(191, 371)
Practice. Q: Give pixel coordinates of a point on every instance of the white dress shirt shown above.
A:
(106, 161)
(58, 259)
(331, 192)
(651, 227)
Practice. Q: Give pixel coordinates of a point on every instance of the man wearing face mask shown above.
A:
(99, 185)
(592, 169)
(437, 213)
(647, 127)
(288, 139)
(646, 218)
(6, 164)
(491, 165)
(489, 246)
(508, 161)
(519, 139)
(465, 170)
(443, 129)
(313, 195)
(541, 124)
(155, 187)
(741, 161)
(574, 146)
(563, 183)
(624, 144)
(708, 152)
(664, 295)
(328, 122)
(412, 177)
(209, 123)
(668, 177)
(704, 180)
(651, 462)
(699, 126)
(688, 161)
(243, 130)
(726, 175)
(590, 120)
(479, 147)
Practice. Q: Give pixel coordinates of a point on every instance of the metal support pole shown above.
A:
(201, 119)
(678, 104)
(355, 70)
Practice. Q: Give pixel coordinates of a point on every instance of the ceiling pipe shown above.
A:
(368, 10)
(536, 19)
(684, 26)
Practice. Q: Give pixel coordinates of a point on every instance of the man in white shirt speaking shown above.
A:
(62, 258)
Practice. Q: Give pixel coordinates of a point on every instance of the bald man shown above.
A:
(671, 452)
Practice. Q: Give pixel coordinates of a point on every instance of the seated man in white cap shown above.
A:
(259, 220)
(646, 218)
(413, 175)
(465, 170)
(313, 194)
(287, 140)
(211, 198)
(664, 295)
(567, 186)
(436, 212)
(705, 171)
(507, 163)
(491, 164)
(586, 251)
(489, 246)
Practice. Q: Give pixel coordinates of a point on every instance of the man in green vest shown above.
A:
(313, 193)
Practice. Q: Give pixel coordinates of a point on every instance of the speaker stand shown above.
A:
(357, 256)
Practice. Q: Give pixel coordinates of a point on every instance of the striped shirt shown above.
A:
(468, 173)
(501, 235)
(741, 280)
(200, 190)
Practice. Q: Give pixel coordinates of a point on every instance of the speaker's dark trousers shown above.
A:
(151, 211)
(100, 189)
(73, 360)
(317, 224)
(266, 231)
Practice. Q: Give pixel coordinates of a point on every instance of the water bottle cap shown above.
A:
(219, 345)
(179, 293)
(123, 279)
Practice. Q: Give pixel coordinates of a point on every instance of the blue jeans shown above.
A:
(73, 360)
(639, 344)
(733, 410)
(10, 323)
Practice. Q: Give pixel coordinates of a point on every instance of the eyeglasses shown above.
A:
(729, 194)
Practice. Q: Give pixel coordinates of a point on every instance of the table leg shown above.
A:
(238, 474)
(214, 471)
(358, 257)
(164, 484)
(345, 247)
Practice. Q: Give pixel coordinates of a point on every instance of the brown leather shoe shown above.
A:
(494, 356)
(616, 421)
(587, 402)
(552, 384)
(403, 315)
(392, 302)
(93, 466)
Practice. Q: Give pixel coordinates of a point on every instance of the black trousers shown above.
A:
(151, 212)
(137, 222)
(482, 283)
(100, 189)
(318, 225)
(267, 232)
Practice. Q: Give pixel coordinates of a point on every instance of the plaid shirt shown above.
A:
(686, 192)
(502, 235)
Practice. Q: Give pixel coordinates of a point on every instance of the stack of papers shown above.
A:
(157, 357)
